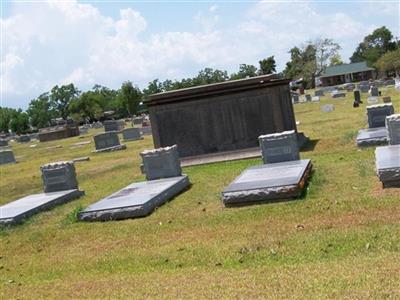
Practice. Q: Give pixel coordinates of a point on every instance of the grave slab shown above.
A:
(6, 156)
(268, 183)
(136, 200)
(372, 136)
(388, 165)
(132, 134)
(377, 114)
(15, 212)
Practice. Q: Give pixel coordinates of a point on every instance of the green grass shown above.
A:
(340, 240)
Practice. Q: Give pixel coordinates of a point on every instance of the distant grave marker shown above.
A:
(6, 157)
(108, 141)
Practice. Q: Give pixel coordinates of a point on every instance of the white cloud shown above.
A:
(57, 43)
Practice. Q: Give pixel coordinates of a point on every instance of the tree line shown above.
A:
(307, 61)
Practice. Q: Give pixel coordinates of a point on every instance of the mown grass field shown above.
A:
(341, 240)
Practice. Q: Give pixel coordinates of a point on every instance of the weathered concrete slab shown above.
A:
(267, 183)
(136, 200)
(372, 136)
(388, 165)
(15, 212)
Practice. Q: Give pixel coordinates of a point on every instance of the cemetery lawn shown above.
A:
(341, 240)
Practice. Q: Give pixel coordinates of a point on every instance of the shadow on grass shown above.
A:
(309, 145)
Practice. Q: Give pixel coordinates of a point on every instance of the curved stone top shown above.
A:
(56, 164)
(378, 105)
(159, 150)
(277, 135)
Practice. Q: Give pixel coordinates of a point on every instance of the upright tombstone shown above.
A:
(139, 199)
(387, 99)
(137, 120)
(279, 147)
(319, 93)
(131, 134)
(295, 98)
(107, 141)
(357, 96)
(393, 128)
(146, 130)
(308, 97)
(113, 125)
(59, 176)
(388, 165)
(3, 143)
(328, 108)
(374, 91)
(338, 94)
(161, 163)
(377, 114)
(363, 87)
(315, 99)
(24, 139)
(6, 157)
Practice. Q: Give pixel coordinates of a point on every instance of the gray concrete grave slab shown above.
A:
(372, 136)
(388, 165)
(7, 157)
(377, 114)
(328, 108)
(393, 128)
(15, 212)
(113, 125)
(132, 134)
(136, 200)
(161, 163)
(24, 139)
(279, 147)
(108, 141)
(372, 99)
(268, 183)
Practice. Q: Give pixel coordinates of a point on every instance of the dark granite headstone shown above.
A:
(357, 96)
(338, 94)
(387, 99)
(113, 125)
(131, 134)
(269, 182)
(388, 165)
(393, 128)
(136, 200)
(377, 114)
(137, 120)
(295, 98)
(6, 157)
(3, 143)
(161, 163)
(374, 91)
(308, 97)
(59, 176)
(24, 139)
(108, 141)
(279, 147)
(319, 93)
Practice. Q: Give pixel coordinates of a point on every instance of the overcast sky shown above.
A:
(44, 43)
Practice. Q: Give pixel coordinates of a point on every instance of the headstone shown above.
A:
(349, 87)
(131, 134)
(390, 82)
(108, 141)
(137, 120)
(319, 93)
(6, 157)
(301, 91)
(374, 91)
(338, 94)
(372, 137)
(377, 114)
(397, 83)
(83, 130)
(387, 99)
(328, 108)
(372, 100)
(363, 87)
(388, 165)
(295, 98)
(136, 200)
(15, 212)
(161, 163)
(279, 147)
(268, 182)
(356, 104)
(24, 139)
(357, 96)
(3, 143)
(393, 128)
(315, 99)
(59, 176)
(97, 125)
(308, 97)
(146, 130)
(113, 125)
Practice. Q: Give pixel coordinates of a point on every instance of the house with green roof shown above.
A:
(346, 73)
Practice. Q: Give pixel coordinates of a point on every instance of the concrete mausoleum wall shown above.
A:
(223, 116)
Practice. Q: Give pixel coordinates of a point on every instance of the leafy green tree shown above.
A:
(325, 50)
(245, 71)
(130, 96)
(267, 66)
(155, 87)
(39, 111)
(390, 61)
(335, 60)
(5, 118)
(19, 121)
(374, 46)
(88, 107)
(209, 75)
(60, 98)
